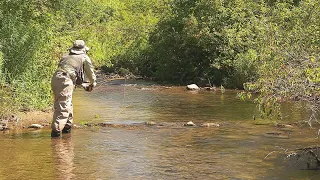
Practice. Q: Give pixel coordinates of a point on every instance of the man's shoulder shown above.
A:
(76, 55)
(65, 55)
(86, 57)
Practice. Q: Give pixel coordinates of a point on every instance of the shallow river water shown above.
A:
(238, 149)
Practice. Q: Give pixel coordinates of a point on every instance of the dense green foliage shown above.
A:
(34, 34)
(289, 62)
(25, 63)
(265, 46)
(210, 40)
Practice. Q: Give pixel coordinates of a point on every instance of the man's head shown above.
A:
(79, 47)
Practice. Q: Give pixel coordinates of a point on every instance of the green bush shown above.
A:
(207, 39)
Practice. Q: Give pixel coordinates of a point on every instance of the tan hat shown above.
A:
(79, 47)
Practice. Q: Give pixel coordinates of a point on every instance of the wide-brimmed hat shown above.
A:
(79, 47)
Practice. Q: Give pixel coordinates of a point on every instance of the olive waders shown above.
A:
(62, 87)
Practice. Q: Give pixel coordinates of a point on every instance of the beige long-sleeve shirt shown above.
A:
(79, 66)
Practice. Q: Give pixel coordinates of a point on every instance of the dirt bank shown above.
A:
(23, 120)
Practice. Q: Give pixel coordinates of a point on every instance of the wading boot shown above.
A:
(66, 129)
(55, 134)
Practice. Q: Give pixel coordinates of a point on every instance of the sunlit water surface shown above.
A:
(238, 149)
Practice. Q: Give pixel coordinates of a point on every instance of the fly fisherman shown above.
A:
(73, 69)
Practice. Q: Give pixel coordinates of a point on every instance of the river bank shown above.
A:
(25, 120)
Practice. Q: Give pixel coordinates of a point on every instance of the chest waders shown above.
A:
(69, 73)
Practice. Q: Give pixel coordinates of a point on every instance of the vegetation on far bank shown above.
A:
(270, 47)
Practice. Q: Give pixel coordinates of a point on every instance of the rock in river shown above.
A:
(190, 123)
(210, 125)
(35, 126)
(192, 87)
(277, 135)
(150, 123)
(284, 126)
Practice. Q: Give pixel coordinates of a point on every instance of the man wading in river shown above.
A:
(73, 69)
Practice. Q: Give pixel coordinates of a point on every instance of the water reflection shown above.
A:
(175, 104)
(63, 156)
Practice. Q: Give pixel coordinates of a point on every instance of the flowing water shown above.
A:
(240, 148)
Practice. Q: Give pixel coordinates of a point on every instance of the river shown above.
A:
(240, 148)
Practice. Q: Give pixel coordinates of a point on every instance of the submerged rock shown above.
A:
(76, 126)
(273, 133)
(192, 87)
(277, 135)
(150, 123)
(210, 125)
(168, 124)
(284, 126)
(211, 88)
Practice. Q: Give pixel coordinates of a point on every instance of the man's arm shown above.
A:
(89, 71)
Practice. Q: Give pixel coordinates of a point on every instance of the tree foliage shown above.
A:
(289, 67)
(35, 34)
(205, 39)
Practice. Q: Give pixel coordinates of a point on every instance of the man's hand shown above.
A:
(88, 88)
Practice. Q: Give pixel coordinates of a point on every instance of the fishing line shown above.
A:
(102, 82)
(123, 99)
(124, 91)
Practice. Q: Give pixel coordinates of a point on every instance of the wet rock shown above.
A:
(273, 133)
(167, 124)
(76, 126)
(192, 87)
(190, 123)
(277, 135)
(148, 89)
(114, 125)
(93, 124)
(46, 124)
(210, 125)
(306, 158)
(150, 123)
(128, 85)
(284, 126)
(210, 88)
(35, 126)
(3, 124)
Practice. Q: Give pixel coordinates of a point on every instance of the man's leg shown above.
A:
(62, 87)
(68, 126)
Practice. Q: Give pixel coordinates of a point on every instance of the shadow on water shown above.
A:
(237, 149)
